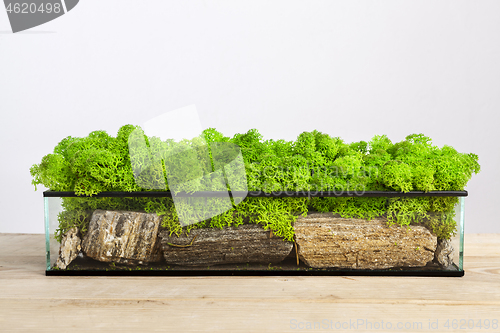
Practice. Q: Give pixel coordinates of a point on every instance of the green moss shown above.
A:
(443, 224)
(314, 161)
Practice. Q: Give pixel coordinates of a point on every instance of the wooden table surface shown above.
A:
(30, 301)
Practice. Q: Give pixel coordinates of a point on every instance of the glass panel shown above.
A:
(461, 225)
(52, 209)
(130, 234)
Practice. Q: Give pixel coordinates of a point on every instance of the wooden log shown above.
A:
(123, 237)
(328, 241)
(247, 243)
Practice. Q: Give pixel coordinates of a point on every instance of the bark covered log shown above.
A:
(328, 241)
(210, 246)
(123, 237)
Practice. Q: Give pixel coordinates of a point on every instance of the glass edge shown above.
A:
(47, 232)
(283, 193)
(462, 224)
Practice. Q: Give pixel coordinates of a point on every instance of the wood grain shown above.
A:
(30, 301)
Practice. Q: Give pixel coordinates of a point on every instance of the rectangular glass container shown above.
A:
(133, 242)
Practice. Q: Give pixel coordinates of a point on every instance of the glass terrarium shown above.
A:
(122, 233)
(211, 205)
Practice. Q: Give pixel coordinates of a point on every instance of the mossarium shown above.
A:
(216, 205)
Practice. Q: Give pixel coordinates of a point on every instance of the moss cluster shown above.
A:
(313, 162)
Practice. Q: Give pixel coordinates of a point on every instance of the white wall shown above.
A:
(351, 69)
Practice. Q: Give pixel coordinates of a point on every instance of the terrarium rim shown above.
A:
(276, 194)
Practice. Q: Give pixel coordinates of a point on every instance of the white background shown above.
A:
(352, 69)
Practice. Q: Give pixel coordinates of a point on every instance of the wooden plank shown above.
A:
(30, 301)
(232, 316)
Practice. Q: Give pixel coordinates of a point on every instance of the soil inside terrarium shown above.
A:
(289, 265)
